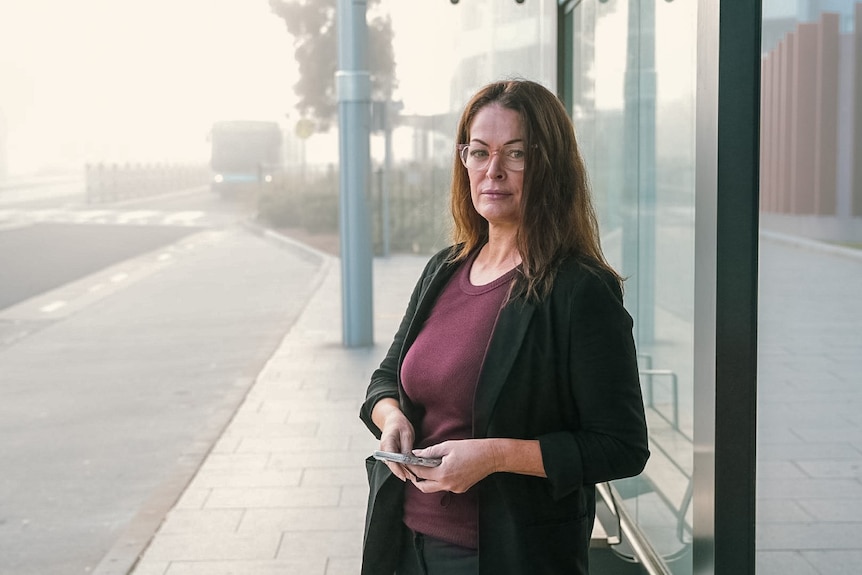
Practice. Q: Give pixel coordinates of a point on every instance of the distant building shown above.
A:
(811, 121)
(780, 17)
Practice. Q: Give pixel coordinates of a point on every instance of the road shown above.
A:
(129, 335)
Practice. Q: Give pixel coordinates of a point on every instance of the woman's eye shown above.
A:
(479, 153)
(516, 154)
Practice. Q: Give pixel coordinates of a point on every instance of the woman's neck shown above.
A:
(495, 258)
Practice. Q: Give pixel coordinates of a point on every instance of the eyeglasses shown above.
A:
(477, 157)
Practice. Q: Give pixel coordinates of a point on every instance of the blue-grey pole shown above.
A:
(353, 86)
(639, 226)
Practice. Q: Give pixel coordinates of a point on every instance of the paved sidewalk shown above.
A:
(284, 489)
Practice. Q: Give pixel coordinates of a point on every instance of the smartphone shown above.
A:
(407, 459)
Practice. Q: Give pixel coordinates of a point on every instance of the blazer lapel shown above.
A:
(503, 348)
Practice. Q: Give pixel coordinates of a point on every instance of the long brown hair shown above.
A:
(557, 215)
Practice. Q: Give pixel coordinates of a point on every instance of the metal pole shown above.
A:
(640, 194)
(353, 86)
(387, 175)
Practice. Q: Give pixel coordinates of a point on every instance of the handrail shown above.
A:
(674, 392)
(642, 548)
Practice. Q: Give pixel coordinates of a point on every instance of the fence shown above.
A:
(109, 183)
(418, 206)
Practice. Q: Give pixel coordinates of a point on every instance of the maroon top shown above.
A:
(439, 374)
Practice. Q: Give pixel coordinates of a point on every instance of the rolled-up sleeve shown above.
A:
(611, 439)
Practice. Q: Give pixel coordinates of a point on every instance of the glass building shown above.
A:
(724, 145)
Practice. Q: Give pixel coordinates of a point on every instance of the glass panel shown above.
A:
(809, 442)
(633, 106)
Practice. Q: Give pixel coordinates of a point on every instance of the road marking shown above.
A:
(185, 218)
(188, 218)
(53, 306)
(84, 216)
(126, 217)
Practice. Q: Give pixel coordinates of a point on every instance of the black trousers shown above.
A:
(423, 555)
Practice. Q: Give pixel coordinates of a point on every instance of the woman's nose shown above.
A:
(495, 168)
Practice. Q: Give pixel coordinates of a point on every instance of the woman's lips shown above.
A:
(495, 193)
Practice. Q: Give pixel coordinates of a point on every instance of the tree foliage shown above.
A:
(312, 23)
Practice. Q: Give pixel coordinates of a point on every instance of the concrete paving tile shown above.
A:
(240, 477)
(293, 444)
(809, 536)
(835, 562)
(344, 543)
(250, 497)
(781, 511)
(794, 413)
(824, 434)
(148, 567)
(783, 563)
(806, 451)
(336, 425)
(202, 521)
(298, 566)
(354, 495)
(275, 378)
(768, 434)
(303, 519)
(299, 407)
(832, 468)
(364, 443)
(779, 469)
(774, 488)
(339, 476)
(838, 509)
(271, 430)
(226, 444)
(854, 418)
(193, 498)
(327, 413)
(300, 395)
(252, 417)
(343, 566)
(249, 461)
(348, 404)
(213, 547)
(318, 459)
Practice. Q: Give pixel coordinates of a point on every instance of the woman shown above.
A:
(514, 364)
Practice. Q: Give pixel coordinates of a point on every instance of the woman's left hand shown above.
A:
(465, 463)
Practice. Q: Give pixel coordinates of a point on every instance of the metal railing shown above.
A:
(643, 550)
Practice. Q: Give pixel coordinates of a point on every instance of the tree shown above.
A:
(312, 23)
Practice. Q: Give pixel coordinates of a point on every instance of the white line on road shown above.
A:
(84, 216)
(53, 306)
(126, 217)
(186, 218)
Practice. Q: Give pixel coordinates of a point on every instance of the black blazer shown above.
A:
(563, 371)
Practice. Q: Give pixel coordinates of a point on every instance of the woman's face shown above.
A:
(496, 133)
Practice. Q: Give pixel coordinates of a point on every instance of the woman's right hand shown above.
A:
(397, 433)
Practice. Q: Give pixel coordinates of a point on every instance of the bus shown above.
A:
(246, 156)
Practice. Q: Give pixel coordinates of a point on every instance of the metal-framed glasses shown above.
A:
(477, 156)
